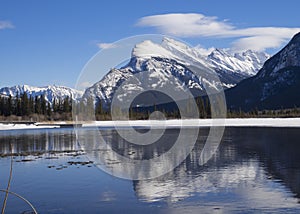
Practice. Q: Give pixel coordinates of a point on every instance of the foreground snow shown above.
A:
(23, 126)
(236, 122)
(233, 122)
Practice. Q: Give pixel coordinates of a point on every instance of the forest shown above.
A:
(24, 107)
(37, 109)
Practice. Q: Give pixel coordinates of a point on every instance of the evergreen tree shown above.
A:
(31, 105)
(1, 105)
(55, 106)
(43, 105)
(200, 104)
(9, 106)
(99, 108)
(49, 110)
(207, 108)
(90, 108)
(37, 105)
(66, 105)
(18, 107)
(24, 105)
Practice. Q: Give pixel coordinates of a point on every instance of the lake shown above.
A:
(254, 170)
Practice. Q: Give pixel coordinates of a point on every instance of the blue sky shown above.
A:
(49, 42)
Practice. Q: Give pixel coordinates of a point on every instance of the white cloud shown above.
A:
(84, 85)
(204, 51)
(258, 43)
(186, 25)
(6, 25)
(199, 25)
(106, 45)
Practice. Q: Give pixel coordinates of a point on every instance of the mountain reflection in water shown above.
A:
(254, 168)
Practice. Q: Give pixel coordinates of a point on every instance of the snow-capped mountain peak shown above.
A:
(184, 52)
(171, 58)
(149, 49)
(179, 47)
(51, 92)
(248, 62)
(275, 86)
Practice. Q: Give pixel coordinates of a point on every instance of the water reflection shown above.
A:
(254, 168)
(247, 160)
(30, 142)
(257, 164)
(118, 157)
(277, 150)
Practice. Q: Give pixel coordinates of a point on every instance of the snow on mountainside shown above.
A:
(50, 92)
(172, 58)
(275, 86)
(248, 62)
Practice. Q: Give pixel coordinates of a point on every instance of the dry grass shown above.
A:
(7, 191)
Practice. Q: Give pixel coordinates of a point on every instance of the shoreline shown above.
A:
(231, 122)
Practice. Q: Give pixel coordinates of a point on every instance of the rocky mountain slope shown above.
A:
(172, 58)
(275, 86)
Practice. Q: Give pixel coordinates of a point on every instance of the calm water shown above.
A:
(255, 170)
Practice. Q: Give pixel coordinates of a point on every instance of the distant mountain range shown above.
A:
(172, 58)
(251, 79)
(50, 93)
(275, 86)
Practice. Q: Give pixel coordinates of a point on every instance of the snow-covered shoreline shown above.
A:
(11, 126)
(232, 122)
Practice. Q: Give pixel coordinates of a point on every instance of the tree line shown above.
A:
(36, 108)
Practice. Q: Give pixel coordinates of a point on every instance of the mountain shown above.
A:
(51, 93)
(275, 86)
(171, 59)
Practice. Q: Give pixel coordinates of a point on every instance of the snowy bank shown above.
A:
(11, 126)
(232, 122)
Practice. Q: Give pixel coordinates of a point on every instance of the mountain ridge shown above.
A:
(51, 92)
(275, 86)
(169, 59)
